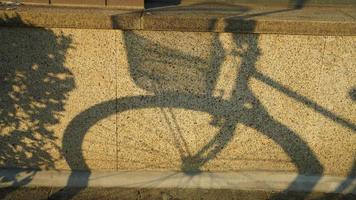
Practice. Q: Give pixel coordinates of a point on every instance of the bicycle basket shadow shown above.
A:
(158, 69)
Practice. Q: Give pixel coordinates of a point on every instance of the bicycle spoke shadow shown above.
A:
(34, 84)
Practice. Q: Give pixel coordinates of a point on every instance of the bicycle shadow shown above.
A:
(34, 84)
(188, 82)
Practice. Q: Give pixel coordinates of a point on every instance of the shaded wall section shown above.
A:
(215, 102)
(35, 84)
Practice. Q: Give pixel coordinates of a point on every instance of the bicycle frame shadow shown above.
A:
(194, 92)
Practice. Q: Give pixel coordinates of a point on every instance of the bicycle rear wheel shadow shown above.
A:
(295, 147)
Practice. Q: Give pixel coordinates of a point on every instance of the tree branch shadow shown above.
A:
(34, 84)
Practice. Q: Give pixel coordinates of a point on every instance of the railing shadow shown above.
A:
(34, 84)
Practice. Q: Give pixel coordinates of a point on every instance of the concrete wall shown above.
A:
(114, 100)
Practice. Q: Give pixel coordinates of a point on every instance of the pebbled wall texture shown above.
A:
(141, 100)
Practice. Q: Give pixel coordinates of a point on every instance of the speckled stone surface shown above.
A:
(287, 83)
(48, 77)
(71, 17)
(226, 17)
(197, 16)
(113, 100)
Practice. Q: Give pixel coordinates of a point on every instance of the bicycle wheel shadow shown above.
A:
(34, 84)
(181, 80)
